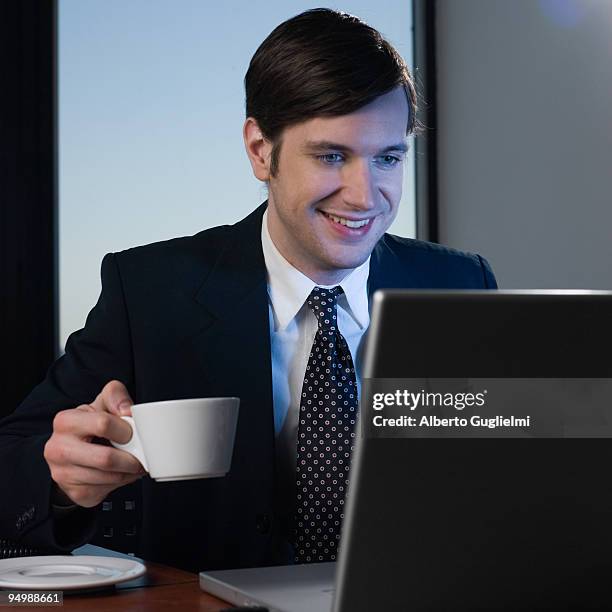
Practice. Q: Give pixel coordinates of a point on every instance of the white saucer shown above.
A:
(66, 572)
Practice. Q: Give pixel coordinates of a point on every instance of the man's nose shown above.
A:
(359, 185)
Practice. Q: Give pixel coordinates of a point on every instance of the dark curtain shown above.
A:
(28, 185)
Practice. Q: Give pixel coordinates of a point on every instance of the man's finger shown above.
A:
(80, 476)
(94, 456)
(88, 424)
(114, 398)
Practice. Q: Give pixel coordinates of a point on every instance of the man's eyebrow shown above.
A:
(314, 146)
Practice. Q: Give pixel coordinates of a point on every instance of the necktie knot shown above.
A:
(323, 303)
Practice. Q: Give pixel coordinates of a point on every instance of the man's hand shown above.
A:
(86, 471)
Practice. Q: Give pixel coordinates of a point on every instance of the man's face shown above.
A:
(338, 186)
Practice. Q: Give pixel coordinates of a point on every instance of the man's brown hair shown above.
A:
(321, 63)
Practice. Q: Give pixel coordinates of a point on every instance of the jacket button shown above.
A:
(262, 523)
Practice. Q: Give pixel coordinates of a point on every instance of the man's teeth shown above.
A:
(347, 222)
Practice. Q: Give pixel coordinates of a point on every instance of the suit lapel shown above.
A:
(233, 345)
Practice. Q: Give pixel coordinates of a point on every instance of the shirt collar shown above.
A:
(288, 288)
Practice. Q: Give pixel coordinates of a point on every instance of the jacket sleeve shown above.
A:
(94, 355)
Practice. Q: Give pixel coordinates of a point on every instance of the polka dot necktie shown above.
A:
(328, 412)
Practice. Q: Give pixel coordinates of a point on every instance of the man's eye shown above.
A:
(330, 158)
(390, 160)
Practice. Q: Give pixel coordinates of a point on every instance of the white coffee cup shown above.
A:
(183, 439)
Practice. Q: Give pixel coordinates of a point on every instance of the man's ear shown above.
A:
(258, 149)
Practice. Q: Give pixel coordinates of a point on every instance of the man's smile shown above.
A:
(346, 227)
(354, 223)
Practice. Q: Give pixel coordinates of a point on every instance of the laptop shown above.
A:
(473, 518)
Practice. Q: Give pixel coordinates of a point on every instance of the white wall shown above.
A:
(151, 107)
(525, 138)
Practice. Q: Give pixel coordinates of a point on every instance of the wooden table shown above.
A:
(161, 588)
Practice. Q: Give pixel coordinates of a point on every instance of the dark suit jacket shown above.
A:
(189, 318)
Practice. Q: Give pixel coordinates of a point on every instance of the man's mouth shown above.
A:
(354, 224)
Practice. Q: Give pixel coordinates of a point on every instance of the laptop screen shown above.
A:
(488, 522)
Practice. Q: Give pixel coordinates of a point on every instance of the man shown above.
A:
(237, 311)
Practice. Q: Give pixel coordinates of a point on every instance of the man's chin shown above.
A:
(348, 263)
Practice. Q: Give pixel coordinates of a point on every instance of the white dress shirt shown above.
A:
(292, 330)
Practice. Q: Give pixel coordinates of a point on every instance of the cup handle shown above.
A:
(134, 446)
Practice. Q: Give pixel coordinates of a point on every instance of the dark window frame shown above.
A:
(28, 196)
(426, 148)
